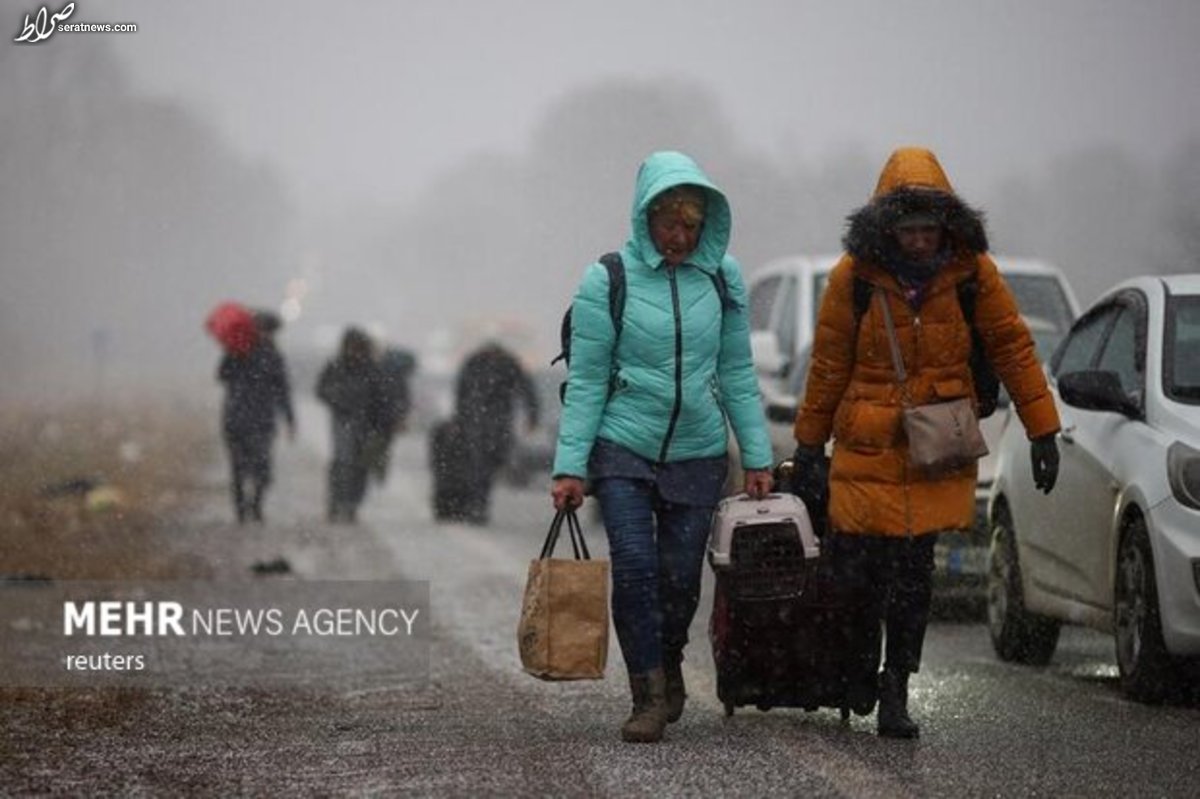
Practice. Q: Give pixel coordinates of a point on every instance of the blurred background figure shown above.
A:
(349, 384)
(391, 403)
(468, 451)
(256, 389)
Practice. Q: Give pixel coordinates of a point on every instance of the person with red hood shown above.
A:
(912, 245)
(257, 391)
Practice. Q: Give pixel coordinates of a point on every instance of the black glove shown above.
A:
(810, 482)
(1043, 452)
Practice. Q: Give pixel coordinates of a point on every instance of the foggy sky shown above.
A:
(429, 168)
(373, 100)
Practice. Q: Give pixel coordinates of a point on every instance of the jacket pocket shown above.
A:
(951, 388)
(868, 427)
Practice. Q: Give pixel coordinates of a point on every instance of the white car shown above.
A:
(785, 296)
(1116, 545)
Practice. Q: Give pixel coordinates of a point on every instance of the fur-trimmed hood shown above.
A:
(912, 181)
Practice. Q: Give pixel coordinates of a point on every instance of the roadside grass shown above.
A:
(88, 492)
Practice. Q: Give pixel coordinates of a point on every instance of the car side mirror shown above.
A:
(1096, 390)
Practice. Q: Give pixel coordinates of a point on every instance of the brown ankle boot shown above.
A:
(649, 717)
(676, 692)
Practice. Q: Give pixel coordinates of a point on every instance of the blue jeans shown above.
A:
(657, 553)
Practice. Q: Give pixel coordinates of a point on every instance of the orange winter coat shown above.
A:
(852, 391)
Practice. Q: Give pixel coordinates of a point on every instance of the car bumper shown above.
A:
(960, 559)
(1177, 568)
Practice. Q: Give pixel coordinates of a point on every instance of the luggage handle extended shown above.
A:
(578, 544)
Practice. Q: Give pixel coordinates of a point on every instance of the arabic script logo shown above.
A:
(43, 25)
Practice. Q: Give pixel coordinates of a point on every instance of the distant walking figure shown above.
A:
(348, 385)
(391, 403)
(256, 389)
(490, 383)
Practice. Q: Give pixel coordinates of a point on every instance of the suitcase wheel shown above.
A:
(845, 714)
(729, 708)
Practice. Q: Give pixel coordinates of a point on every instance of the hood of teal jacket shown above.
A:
(665, 170)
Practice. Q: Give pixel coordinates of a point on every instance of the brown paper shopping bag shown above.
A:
(563, 633)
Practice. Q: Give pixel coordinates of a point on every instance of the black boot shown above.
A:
(892, 720)
(676, 693)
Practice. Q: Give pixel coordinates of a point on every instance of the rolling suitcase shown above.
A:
(776, 627)
(457, 494)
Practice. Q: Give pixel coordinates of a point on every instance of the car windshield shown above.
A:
(1181, 350)
(1041, 296)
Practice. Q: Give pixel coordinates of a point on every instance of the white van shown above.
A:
(785, 295)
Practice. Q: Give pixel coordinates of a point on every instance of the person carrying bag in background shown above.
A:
(913, 244)
(644, 419)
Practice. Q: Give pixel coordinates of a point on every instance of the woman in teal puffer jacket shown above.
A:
(645, 419)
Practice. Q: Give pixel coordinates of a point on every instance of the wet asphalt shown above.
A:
(479, 725)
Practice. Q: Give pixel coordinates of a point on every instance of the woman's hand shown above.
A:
(567, 492)
(758, 482)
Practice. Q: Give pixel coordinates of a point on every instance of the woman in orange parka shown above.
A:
(912, 244)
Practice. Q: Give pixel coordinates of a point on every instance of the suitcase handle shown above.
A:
(578, 544)
(744, 497)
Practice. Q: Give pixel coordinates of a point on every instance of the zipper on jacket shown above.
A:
(662, 455)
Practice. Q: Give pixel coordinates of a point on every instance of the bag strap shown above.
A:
(616, 290)
(578, 544)
(894, 345)
(577, 533)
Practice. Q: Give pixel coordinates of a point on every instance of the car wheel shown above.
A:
(1017, 635)
(1142, 658)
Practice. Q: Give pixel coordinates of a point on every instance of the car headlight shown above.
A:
(1183, 472)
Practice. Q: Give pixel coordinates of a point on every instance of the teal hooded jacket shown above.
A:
(681, 366)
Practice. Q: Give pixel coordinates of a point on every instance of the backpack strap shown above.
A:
(616, 306)
(968, 291)
(728, 303)
(862, 298)
(987, 383)
(616, 290)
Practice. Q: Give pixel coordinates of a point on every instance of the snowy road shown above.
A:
(484, 726)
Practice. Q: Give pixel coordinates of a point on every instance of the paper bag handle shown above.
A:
(578, 544)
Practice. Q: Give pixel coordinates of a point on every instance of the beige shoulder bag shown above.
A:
(942, 436)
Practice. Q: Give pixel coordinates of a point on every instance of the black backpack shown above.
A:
(987, 385)
(616, 308)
